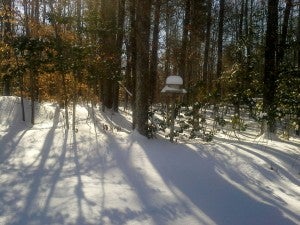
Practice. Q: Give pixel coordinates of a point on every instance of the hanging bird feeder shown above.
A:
(173, 87)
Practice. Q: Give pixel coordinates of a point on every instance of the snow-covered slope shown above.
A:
(103, 173)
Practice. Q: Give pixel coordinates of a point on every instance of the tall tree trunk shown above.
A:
(108, 14)
(37, 10)
(22, 96)
(78, 18)
(283, 36)
(26, 16)
(241, 20)
(128, 74)
(59, 47)
(7, 29)
(298, 63)
(168, 44)
(33, 88)
(282, 43)
(133, 58)
(250, 33)
(241, 35)
(119, 44)
(143, 33)
(7, 4)
(220, 46)
(196, 38)
(270, 72)
(33, 73)
(184, 44)
(298, 38)
(76, 72)
(247, 27)
(75, 98)
(207, 45)
(154, 56)
(65, 100)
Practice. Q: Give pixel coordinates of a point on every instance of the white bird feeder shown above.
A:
(173, 85)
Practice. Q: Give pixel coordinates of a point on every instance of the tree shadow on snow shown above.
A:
(270, 156)
(220, 200)
(79, 192)
(159, 214)
(13, 136)
(41, 183)
(256, 180)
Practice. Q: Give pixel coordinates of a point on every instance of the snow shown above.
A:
(170, 89)
(107, 174)
(174, 80)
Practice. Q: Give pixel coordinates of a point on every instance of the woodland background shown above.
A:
(238, 53)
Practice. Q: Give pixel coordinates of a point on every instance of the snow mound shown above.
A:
(11, 112)
(268, 137)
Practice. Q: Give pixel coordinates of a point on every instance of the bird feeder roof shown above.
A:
(174, 80)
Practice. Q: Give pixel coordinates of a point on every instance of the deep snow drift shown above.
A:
(108, 176)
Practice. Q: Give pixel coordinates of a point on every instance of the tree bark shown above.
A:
(283, 36)
(207, 45)
(109, 48)
(220, 46)
(76, 72)
(119, 43)
(154, 56)
(168, 44)
(184, 44)
(143, 33)
(131, 83)
(270, 72)
(298, 41)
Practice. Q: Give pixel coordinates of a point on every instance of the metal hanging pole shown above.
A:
(172, 119)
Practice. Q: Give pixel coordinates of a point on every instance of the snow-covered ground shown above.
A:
(108, 176)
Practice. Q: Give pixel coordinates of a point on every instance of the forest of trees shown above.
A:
(113, 52)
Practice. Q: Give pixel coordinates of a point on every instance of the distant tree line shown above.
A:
(112, 51)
